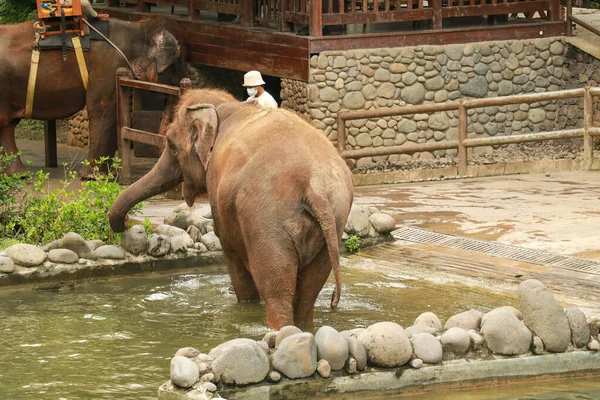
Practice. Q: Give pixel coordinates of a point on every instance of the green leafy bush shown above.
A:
(43, 214)
(352, 244)
(15, 11)
(10, 189)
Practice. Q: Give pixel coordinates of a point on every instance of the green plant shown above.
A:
(15, 11)
(48, 214)
(31, 124)
(147, 224)
(352, 244)
(11, 188)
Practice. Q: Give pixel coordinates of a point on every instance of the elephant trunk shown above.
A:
(165, 175)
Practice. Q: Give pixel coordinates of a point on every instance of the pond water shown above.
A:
(114, 339)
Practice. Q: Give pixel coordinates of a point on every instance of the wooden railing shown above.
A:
(587, 132)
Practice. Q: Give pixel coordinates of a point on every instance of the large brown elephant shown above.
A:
(59, 91)
(279, 193)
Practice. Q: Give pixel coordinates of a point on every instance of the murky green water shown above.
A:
(114, 340)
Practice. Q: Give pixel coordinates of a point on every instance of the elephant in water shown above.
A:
(59, 91)
(279, 193)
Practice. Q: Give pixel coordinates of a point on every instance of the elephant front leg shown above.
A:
(9, 146)
(102, 137)
(311, 280)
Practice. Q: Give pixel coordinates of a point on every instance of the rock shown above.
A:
(467, 320)
(456, 340)
(357, 351)
(353, 100)
(134, 240)
(427, 347)
(284, 332)
(331, 346)
(173, 232)
(194, 233)
(270, 338)
(477, 341)
(504, 333)
(94, 244)
(110, 252)
(158, 245)
(7, 265)
(475, 87)
(353, 333)
(328, 94)
(537, 345)
(580, 331)
(63, 256)
(358, 222)
(416, 363)
(429, 322)
(413, 330)
(351, 366)
(413, 94)
(188, 352)
(216, 352)
(210, 387)
(324, 369)
(242, 363)
(382, 222)
(51, 246)
(296, 356)
(184, 373)
(386, 344)
(200, 247)
(211, 241)
(74, 242)
(274, 377)
(179, 244)
(26, 255)
(544, 316)
(594, 345)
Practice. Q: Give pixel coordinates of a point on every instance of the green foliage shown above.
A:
(15, 11)
(147, 224)
(31, 125)
(43, 214)
(10, 189)
(352, 244)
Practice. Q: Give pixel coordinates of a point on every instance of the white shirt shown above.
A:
(265, 100)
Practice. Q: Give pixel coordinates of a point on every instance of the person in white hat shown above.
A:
(253, 82)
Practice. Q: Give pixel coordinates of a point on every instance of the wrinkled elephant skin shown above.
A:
(59, 91)
(279, 192)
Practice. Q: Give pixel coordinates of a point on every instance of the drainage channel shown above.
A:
(516, 253)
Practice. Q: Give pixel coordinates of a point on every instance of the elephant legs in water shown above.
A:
(103, 135)
(241, 280)
(311, 280)
(7, 142)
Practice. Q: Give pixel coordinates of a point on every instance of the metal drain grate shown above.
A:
(417, 235)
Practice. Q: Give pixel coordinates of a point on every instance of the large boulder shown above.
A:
(505, 333)
(580, 330)
(110, 252)
(382, 222)
(26, 255)
(358, 222)
(216, 352)
(184, 372)
(387, 344)
(331, 346)
(74, 242)
(456, 340)
(429, 322)
(134, 240)
(63, 256)
(467, 320)
(427, 347)
(544, 315)
(241, 364)
(284, 332)
(7, 265)
(296, 356)
(211, 241)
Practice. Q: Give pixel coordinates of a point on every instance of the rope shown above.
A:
(115, 46)
(39, 29)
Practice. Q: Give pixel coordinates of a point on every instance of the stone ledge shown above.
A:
(452, 373)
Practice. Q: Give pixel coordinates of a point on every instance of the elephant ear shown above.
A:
(204, 128)
(166, 50)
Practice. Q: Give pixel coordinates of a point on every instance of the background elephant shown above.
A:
(59, 91)
(279, 192)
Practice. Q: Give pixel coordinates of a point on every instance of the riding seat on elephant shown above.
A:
(59, 89)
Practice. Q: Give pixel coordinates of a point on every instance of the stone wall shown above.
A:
(392, 77)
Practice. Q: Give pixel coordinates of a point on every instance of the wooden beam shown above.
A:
(494, 9)
(315, 25)
(50, 143)
(380, 17)
(247, 13)
(139, 136)
(437, 16)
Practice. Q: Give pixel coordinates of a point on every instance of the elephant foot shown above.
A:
(16, 168)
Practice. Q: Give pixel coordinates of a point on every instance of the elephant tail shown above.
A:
(320, 209)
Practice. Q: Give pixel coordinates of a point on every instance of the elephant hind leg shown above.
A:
(311, 280)
(9, 146)
(241, 280)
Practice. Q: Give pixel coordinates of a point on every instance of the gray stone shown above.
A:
(456, 340)
(274, 377)
(475, 87)
(7, 265)
(397, 68)
(454, 52)
(504, 333)
(386, 90)
(409, 78)
(63, 256)
(94, 244)
(331, 346)
(241, 364)
(158, 245)
(382, 75)
(357, 351)
(134, 240)
(439, 121)
(413, 94)
(429, 322)
(110, 252)
(322, 61)
(270, 338)
(181, 243)
(284, 332)
(594, 345)
(339, 62)
(477, 341)
(537, 345)
(184, 372)
(211, 241)
(467, 320)
(358, 222)
(435, 83)
(416, 363)
(74, 242)
(173, 232)
(386, 344)
(50, 246)
(188, 352)
(481, 69)
(353, 100)
(352, 333)
(440, 96)
(382, 222)
(25, 255)
(296, 356)
(351, 367)
(580, 330)
(194, 232)
(542, 44)
(216, 352)
(544, 316)
(324, 369)
(413, 330)
(210, 387)
(427, 348)
(505, 88)
(329, 94)
(537, 115)
(406, 126)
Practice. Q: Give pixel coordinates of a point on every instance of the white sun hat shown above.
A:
(253, 78)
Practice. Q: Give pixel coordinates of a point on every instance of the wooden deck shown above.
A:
(244, 35)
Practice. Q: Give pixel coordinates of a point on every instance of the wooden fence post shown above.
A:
(569, 22)
(588, 140)
(437, 14)
(50, 143)
(462, 135)
(247, 13)
(315, 22)
(123, 120)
